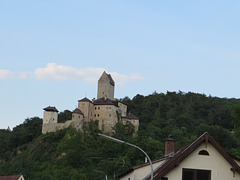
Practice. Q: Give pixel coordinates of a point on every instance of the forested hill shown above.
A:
(182, 109)
(68, 154)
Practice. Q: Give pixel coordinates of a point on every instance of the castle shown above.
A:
(105, 109)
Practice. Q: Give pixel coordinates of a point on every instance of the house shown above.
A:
(15, 177)
(105, 109)
(202, 159)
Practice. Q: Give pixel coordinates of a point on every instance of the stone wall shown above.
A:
(58, 126)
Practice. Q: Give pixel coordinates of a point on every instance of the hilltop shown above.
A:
(71, 154)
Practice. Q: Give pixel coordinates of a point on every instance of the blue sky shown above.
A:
(52, 52)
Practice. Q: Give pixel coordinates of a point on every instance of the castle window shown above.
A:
(94, 115)
(78, 116)
(109, 115)
(83, 104)
(95, 108)
(98, 115)
(106, 107)
(98, 108)
(203, 152)
(110, 108)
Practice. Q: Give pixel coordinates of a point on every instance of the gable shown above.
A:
(185, 151)
(218, 166)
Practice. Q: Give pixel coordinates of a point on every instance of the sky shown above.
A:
(52, 52)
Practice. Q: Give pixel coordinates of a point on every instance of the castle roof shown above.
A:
(110, 79)
(78, 111)
(130, 116)
(103, 101)
(85, 100)
(49, 108)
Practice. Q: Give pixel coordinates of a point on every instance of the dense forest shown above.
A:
(71, 154)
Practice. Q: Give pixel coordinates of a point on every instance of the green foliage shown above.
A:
(64, 116)
(70, 154)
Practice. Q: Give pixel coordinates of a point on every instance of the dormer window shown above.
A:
(203, 152)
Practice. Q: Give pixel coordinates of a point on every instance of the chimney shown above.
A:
(169, 145)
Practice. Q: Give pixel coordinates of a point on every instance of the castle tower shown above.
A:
(50, 115)
(106, 87)
(77, 115)
(86, 107)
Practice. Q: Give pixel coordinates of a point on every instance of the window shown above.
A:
(196, 174)
(95, 108)
(164, 178)
(110, 108)
(98, 108)
(203, 152)
(83, 104)
(98, 115)
(110, 115)
(94, 115)
(107, 108)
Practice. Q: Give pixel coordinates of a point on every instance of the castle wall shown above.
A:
(76, 123)
(50, 117)
(106, 115)
(87, 109)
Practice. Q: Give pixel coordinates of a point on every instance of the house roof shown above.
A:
(15, 177)
(85, 100)
(49, 108)
(78, 111)
(182, 153)
(174, 159)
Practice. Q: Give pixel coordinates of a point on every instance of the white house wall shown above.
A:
(219, 166)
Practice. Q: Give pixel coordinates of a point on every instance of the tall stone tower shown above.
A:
(50, 115)
(106, 87)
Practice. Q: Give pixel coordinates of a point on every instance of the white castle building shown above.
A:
(105, 109)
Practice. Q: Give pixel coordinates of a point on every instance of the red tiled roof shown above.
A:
(49, 108)
(78, 111)
(85, 100)
(15, 177)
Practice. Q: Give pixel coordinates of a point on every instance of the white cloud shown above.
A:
(121, 79)
(6, 74)
(60, 72)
